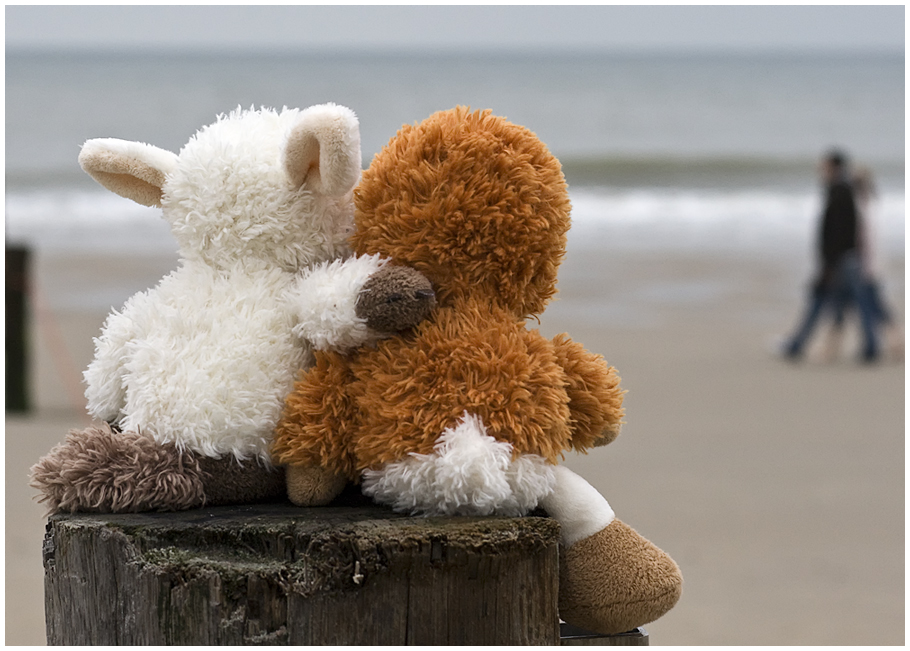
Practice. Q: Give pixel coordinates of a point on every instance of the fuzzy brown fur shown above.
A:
(480, 207)
(102, 470)
(475, 203)
(632, 583)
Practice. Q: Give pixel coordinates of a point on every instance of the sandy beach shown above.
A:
(777, 488)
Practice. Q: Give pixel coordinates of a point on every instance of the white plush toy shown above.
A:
(190, 376)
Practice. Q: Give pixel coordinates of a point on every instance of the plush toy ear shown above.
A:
(322, 152)
(131, 169)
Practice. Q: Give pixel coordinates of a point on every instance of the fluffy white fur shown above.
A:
(231, 197)
(326, 298)
(469, 473)
(580, 510)
(206, 358)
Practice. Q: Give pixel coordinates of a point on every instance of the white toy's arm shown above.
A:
(346, 304)
(106, 391)
(325, 303)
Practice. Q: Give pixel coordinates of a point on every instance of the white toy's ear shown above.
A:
(131, 169)
(322, 152)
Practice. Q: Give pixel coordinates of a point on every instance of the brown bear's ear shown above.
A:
(131, 169)
(322, 152)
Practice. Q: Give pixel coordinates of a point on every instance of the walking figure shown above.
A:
(841, 279)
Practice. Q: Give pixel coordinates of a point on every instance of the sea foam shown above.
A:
(637, 217)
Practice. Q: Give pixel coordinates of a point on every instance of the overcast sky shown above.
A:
(447, 28)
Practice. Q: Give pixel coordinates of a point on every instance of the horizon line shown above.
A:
(452, 50)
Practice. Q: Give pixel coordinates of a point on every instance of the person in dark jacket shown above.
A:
(841, 275)
(891, 336)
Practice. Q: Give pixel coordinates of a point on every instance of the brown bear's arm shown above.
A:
(595, 399)
(318, 417)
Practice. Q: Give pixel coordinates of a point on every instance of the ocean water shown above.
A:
(687, 153)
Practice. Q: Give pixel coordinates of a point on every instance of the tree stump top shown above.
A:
(279, 574)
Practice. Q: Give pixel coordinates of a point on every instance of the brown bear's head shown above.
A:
(475, 203)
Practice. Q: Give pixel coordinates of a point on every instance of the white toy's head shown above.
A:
(273, 186)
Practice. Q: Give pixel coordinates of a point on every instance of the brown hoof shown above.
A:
(615, 581)
(395, 299)
(101, 470)
(313, 486)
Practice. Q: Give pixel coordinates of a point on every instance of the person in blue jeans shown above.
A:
(889, 332)
(841, 279)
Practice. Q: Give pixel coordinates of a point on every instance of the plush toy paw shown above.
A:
(615, 580)
(313, 485)
(395, 299)
(99, 470)
(606, 437)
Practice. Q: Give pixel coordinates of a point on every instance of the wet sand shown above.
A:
(778, 488)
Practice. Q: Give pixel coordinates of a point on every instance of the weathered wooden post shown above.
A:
(278, 574)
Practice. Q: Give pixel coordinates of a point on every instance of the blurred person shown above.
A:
(865, 192)
(841, 278)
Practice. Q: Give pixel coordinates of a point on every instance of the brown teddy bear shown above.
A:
(469, 412)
